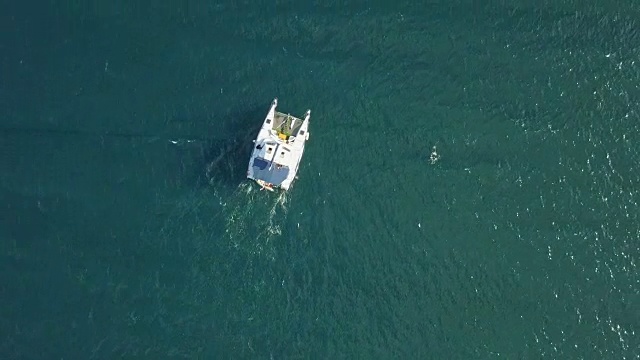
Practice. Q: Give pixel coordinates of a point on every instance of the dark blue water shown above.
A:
(127, 229)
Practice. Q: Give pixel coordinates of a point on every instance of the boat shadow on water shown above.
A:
(225, 160)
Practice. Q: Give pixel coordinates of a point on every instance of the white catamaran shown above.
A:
(278, 149)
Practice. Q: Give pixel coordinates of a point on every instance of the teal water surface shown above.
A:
(128, 230)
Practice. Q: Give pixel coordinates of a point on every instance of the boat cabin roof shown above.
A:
(275, 152)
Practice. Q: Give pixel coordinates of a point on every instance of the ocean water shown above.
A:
(128, 231)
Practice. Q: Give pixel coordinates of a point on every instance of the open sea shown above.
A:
(469, 190)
